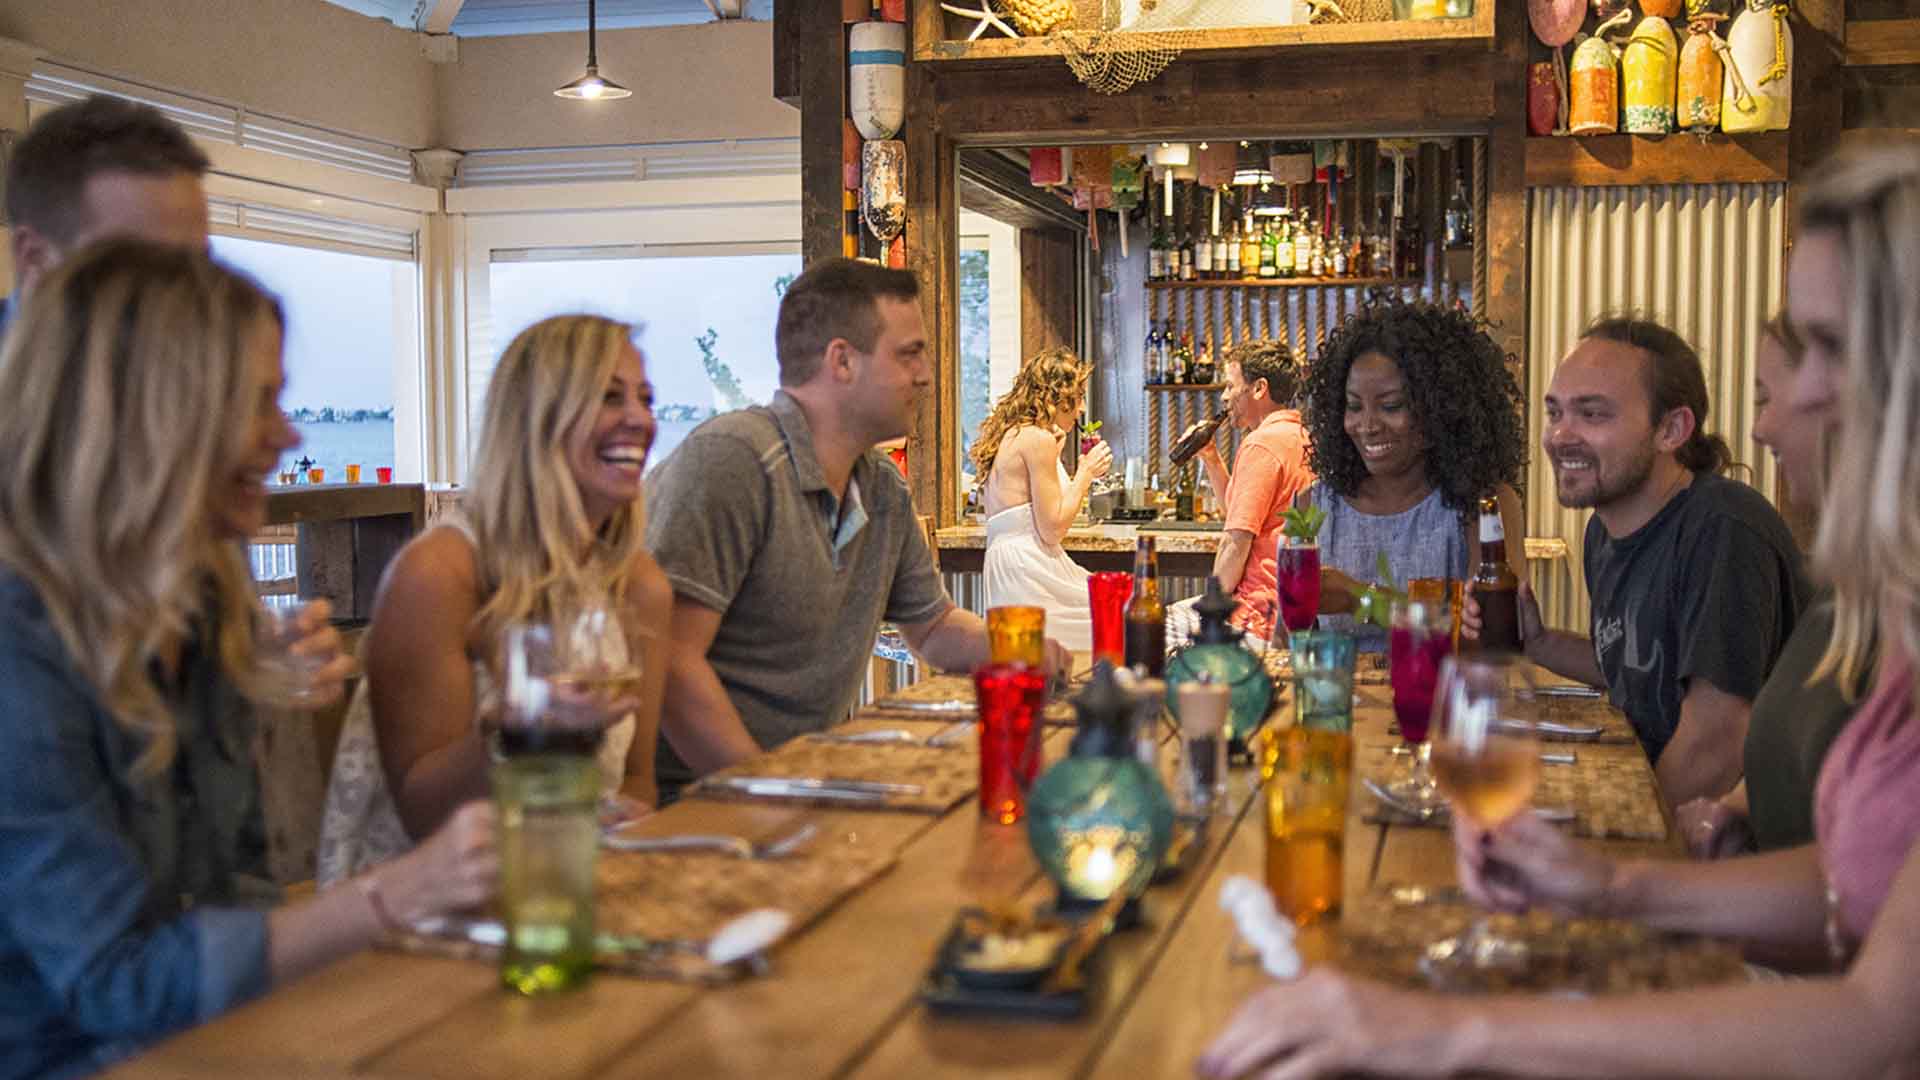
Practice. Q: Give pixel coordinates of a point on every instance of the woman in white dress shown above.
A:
(1031, 501)
(551, 529)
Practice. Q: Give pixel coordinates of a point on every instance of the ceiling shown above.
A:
(496, 18)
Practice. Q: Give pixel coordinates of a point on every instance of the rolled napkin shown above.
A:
(1261, 925)
(747, 935)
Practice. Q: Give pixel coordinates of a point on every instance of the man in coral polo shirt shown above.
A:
(1270, 469)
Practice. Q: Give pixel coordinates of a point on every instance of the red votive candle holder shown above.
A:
(1108, 593)
(385, 473)
(1010, 698)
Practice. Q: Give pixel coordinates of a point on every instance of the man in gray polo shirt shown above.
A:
(788, 540)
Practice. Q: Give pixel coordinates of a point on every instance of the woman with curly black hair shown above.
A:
(1413, 417)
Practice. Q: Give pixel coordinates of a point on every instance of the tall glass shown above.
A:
(563, 685)
(1296, 572)
(549, 836)
(1310, 778)
(1486, 760)
(1017, 634)
(1107, 593)
(1418, 641)
(1010, 698)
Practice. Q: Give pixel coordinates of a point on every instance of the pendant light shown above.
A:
(591, 87)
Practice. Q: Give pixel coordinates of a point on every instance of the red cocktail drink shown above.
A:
(1296, 572)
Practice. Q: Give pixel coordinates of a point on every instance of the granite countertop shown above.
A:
(1106, 537)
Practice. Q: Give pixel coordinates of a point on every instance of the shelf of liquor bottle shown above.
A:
(1168, 387)
(1680, 158)
(1285, 283)
(944, 44)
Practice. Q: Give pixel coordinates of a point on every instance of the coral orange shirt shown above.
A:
(1268, 472)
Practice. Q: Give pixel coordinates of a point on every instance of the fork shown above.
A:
(721, 843)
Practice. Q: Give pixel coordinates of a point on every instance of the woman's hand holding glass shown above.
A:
(1096, 461)
(567, 685)
(1526, 862)
(301, 655)
(455, 869)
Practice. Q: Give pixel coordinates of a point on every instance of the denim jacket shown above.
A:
(120, 896)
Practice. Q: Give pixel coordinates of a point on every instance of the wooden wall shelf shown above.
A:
(1874, 42)
(1286, 283)
(1213, 44)
(1680, 158)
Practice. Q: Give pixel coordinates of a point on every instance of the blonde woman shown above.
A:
(1853, 296)
(131, 837)
(552, 527)
(1029, 498)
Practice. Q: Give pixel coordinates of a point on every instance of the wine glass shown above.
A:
(1486, 761)
(1418, 643)
(563, 684)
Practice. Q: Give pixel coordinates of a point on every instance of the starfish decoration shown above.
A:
(305, 463)
(984, 13)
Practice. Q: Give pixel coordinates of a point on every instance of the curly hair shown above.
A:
(1048, 382)
(1464, 399)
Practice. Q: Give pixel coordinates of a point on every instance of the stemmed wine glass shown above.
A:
(563, 684)
(1418, 643)
(1486, 761)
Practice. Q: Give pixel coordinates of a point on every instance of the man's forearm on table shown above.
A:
(1566, 655)
(699, 719)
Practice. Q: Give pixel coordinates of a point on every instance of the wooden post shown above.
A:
(814, 32)
(1502, 232)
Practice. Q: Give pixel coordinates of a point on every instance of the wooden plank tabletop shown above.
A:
(841, 998)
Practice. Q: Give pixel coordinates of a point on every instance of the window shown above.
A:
(989, 313)
(351, 347)
(705, 323)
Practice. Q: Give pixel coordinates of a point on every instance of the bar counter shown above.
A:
(1184, 552)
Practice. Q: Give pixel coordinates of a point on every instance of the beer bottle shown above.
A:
(1194, 441)
(1146, 615)
(1495, 587)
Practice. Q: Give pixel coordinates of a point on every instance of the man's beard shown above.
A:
(1609, 487)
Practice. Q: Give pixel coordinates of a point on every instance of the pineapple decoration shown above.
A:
(1036, 17)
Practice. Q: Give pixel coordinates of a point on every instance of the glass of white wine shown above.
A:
(1486, 761)
(563, 684)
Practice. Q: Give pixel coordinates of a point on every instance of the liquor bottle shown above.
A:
(1341, 265)
(1459, 217)
(1205, 372)
(1283, 248)
(1203, 258)
(1183, 496)
(1495, 587)
(1269, 260)
(1303, 246)
(1360, 259)
(1252, 242)
(1146, 615)
(1168, 373)
(1155, 374)
(1185, 359)
(1317, 264)
(1232, 272)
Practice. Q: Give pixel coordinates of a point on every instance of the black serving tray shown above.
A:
(947, 990)
(1134, 513)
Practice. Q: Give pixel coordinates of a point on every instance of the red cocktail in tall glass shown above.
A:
(1296, 572)
(1418, 643)
(1107, 594)
(1010, 697)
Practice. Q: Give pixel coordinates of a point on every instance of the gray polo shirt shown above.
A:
(742, 520)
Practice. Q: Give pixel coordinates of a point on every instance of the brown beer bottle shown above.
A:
(1495, 588)
(1191, 443)
(1146, 615)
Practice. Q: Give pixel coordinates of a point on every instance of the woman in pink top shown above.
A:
(1853, 295)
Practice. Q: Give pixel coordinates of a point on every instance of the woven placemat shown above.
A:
(1385, 940)
(946, 774)
(656, 911)
(1612, 795)
(1615, 728)
(950, 690)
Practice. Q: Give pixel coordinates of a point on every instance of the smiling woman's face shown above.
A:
(1379, 417)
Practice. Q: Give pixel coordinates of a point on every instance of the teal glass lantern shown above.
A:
(1217, 650)
(1099, 821)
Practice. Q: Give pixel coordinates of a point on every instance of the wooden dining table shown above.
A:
(840, 997)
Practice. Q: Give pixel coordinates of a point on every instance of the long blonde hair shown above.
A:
(130, 385)
(539, 555)
(1869, 548)
(1048, 382)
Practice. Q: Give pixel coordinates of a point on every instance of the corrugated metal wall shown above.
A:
(1704, 259)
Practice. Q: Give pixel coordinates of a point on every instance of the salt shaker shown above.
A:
(1203, 746)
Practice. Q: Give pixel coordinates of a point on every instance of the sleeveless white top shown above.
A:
(360, 827)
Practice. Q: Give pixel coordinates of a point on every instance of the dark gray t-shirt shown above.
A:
(742, 520)
(1710, 588)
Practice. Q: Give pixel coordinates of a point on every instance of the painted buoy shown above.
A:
(1648, 68)
(877, 65)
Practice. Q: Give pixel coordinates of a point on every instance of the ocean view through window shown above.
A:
(350, 333)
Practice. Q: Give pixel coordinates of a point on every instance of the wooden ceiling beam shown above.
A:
(436, 16)
(1875, 42)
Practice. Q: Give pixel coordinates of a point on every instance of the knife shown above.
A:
(1568, 690)
(1549, 727)
(914, 705)
(784, 787)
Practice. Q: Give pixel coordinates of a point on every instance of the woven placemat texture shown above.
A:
(655, 911)
(1611, 792)
(946, 689)
(1386, 941)
(945, 774)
